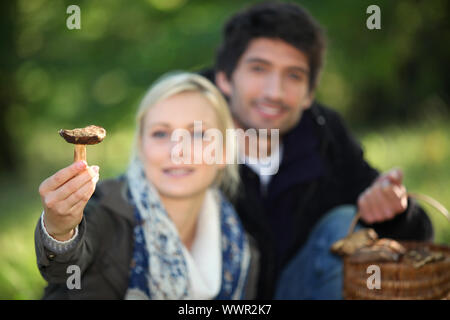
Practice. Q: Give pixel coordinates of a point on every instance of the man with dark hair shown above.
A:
(268, 67)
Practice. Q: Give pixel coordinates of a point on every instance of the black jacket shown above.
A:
(322, 167)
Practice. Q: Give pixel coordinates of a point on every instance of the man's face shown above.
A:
(269, 88)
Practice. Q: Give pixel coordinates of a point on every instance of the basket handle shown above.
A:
(432, 202)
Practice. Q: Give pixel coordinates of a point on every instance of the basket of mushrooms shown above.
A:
(407, 270)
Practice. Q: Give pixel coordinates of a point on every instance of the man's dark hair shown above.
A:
(286, 21)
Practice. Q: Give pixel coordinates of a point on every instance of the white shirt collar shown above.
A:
(275, 160)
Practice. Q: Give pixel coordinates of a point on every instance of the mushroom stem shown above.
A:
(79, 153)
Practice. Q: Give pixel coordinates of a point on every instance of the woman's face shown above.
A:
(177, 112)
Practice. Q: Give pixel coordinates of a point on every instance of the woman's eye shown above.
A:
(159, 134)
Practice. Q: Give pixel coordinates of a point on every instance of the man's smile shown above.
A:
(269, 111)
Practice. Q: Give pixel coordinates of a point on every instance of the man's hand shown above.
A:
(384, 199)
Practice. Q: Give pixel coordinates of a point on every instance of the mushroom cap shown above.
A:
(352, 242)
(88, 135)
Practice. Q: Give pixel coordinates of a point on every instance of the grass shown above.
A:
(421, 151)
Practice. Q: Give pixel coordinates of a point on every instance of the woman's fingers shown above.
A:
(79, 206)
(61, 177)
(51, 200)
(74, 184)
(64, 196)
(81, 195)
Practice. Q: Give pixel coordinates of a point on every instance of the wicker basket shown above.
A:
(400, 280)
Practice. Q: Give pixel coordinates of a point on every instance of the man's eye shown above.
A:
(295, 76)
(257, 68)
(159, 134)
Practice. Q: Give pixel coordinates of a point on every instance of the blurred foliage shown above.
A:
(390, 84)
(54, 77)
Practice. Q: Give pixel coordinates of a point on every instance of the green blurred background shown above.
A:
(391, 85)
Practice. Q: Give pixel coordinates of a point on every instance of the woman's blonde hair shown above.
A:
(174, 83)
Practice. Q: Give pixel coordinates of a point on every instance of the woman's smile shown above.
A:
(178, 172)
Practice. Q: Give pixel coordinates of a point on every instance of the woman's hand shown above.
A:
(64, 196)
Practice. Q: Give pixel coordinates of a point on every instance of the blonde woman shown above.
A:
(162, 230)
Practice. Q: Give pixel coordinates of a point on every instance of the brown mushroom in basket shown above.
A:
(383, 250)
(80, 137)
(352, 242)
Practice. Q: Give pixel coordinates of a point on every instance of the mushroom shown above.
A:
(383, 250)
(354, 241)
(80, 137)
